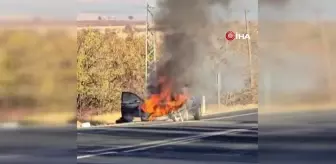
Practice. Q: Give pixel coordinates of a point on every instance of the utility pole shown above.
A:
(247, 30)
(229, 13)
(327, 58)
(219, 90)
(219, 77)
(150, 44)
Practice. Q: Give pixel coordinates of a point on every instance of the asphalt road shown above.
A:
(223, 138)
(305, 137)
(36, 145)
(290, 138)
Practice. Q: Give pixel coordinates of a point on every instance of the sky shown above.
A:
(121, 9)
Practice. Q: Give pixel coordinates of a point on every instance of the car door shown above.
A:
(130, 103)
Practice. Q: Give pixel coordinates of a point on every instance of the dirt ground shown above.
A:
(266, 109)
(214, 108)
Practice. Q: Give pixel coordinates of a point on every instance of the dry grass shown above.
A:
(59, 118)
(103, 119)
(266, 109)
(213, 108)
(108, 118)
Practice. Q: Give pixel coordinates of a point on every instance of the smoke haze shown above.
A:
(189, 41)
(295, 56)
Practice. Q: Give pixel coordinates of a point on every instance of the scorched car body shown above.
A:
(130, 108)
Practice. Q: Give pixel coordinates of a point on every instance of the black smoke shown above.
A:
(187, 27)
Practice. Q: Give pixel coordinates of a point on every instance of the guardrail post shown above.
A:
(203, 105)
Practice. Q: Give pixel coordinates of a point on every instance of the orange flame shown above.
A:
(164, 102)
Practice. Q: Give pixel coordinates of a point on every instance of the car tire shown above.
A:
(121, 120)
(172, 117)
(185, 115)
(144, 117)
(198, 114)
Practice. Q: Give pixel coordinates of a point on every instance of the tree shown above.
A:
(107, 65)
(32, 69)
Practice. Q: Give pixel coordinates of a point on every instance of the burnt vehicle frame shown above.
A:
(131, 102)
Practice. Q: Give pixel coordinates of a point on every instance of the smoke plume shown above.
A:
(188, 27)
(274, 3)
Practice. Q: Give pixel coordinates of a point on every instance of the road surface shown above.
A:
(292, 138)
(230, 138)
(305, 137)
(33, 145)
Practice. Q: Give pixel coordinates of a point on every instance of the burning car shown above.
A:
(164, 101)
(133, 106)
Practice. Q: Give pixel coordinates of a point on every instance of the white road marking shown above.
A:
(93, 155)
(137, 145)
(144, 131)
(187, 139)
(154, 144)
(126, 147)
(11, 156)
(166, 123)
(225, 117)
(209, 119)
(234, 132)
(159, 143)
(141, 144)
